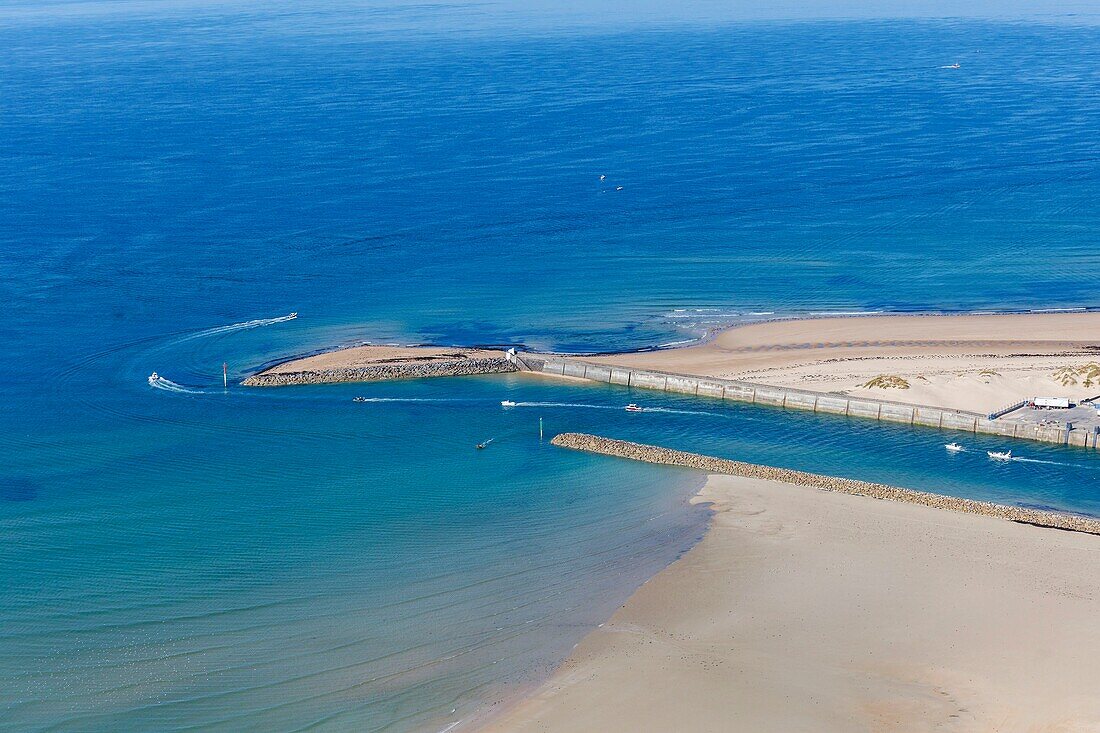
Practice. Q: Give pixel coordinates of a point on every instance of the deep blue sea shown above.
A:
(176, 177)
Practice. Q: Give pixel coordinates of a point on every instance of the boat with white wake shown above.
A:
(507, 403)
(954, 447)
(634, 408)
(1000, 455)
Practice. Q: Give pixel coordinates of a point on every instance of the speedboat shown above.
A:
(358, 399)
(999, 456)
(951, 66)
(507, 403)
(153, 378)
(954, 447)
(293, 315)
(634, 408)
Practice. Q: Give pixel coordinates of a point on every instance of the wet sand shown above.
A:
(806, 610)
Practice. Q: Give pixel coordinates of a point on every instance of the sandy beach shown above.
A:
(806, 610)
(371, 356)
(974, 362)
(381, 363)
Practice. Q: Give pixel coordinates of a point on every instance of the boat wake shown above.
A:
(617, 408)
(415, 400)
(159, 382)
(576, 405)
(1048, 463)
(242, 326)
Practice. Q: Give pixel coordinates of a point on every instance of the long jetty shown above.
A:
(712, 464)
(410, 368)
(800, 399)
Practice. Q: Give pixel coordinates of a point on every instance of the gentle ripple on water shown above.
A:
(176, 184)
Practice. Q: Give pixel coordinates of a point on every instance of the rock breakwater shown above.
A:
(382, 372)
(712, 464)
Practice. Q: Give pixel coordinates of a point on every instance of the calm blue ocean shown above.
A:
(174, 178)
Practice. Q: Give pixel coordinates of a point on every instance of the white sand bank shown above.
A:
(804, 610)
(977, 363)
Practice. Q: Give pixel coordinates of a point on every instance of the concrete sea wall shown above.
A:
(383, 372)
(711, 464)
(838, 404)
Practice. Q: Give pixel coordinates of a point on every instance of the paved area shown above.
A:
(1083, 416)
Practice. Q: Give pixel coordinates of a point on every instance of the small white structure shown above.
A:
(1059, 402)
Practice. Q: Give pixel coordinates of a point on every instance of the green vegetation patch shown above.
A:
(1087, 375)
(887, 381)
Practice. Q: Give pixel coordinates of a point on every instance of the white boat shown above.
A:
(951, 66)
(153, 378)
(293, 315)
(954, 447)
(634, 408)
(358, 399)
(507, 403)
(999, 456)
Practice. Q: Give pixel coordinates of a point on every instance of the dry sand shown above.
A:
(976, 363)
(367, 356)
(804, 610)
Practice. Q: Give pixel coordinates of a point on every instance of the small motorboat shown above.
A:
(634, 408)
(483, 446)
(954, 447)
(1000, 456)
(153, 378)
(293, 315)
(507, 403)
(358, 399)
(951, 66)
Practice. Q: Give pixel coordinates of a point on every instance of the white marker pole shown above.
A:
(540, 428)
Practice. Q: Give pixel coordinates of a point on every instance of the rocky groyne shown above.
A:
(409, 369)
(711, 464)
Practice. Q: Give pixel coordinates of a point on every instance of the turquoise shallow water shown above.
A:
(172, 183)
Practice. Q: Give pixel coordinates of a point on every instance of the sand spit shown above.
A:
(803, 610)
(382, 363)
(713, 465)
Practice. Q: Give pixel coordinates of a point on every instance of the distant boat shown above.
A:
(634, 408)
(483, 446)
(153, 378)
(507, 403)
(998, 456)
(954, 447)
(359, 399)
(602, 177)
(618, 188)
(952, 66)
(293, 315)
